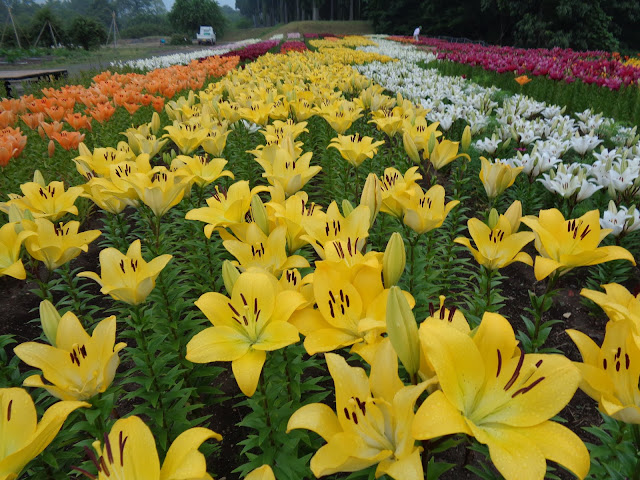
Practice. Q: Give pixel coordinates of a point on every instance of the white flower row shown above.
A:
(164, 61)
(526, 122)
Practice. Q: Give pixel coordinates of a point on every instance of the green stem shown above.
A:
(412, 254)
(66, 276)
(488, 274)
(120, 220)
(357, 184)
(635, 432)
(137, 319)
(539, 311)
(265, 409)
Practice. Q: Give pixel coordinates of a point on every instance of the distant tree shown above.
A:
(87, 33)
(188, 15)
(47, 24)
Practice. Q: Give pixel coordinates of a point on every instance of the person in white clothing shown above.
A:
(416, 32)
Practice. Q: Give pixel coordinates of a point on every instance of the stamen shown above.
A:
(346, 413)
(233, 309)
(499, 363)
(9, 410)
(122, 444)
(92, 457)
(84, 472)
(526, 389)
(516, 372)
(107, 445)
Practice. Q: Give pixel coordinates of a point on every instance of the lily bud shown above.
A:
(393, 260)
(155, 123)
(493, 218)
(259, 214)
(50, 318)
(39, 179)
(410, 148)
(403, 330)
(51, 148)
(347, 208)
(41, 132)
(229, 275)
(372, 196)
(465, 142)
(431, 144)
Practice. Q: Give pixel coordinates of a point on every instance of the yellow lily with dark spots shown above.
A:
(128, 278)
(567, 244)
(129, 452)
(253, 321)
(372, 421)
(444, 153)
(610, 373)
(55, 245)
(79, 366)
(425, 211)
(355, 149)
(256, 249)
(22, 438)
(396, 187)
(499, 246)
(225, 208)
(494, 392)
(324, 227)
(203, 169)
(187, 137)
(160, 189)
(50, 201)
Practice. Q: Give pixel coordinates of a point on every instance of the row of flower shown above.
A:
(602, 68)
(354, 276)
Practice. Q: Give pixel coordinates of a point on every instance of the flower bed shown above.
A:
(294, 221)
(601, 68)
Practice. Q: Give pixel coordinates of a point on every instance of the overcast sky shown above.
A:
(231, 3)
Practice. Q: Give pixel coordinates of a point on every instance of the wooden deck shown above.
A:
(16, 76)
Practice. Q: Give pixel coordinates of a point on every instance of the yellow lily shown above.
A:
(257, 112)
(282, 166)
(22, 438)
(45, 201)
(203, 170)
(371, 424)
(55, 245)
(387, 121)
(618, 303)
(355, 149)
(215, 141)
(302, 109)
(395, 187)
(10, 242)
(502, 397)
(323, 228)
(94, 163)
(499, 246)
(294, 212)
(426, 210)
(148, 144)
(280, 130)
(246, 326)
(127, 278)
(129, 453)
(160, 190)
(351, 308)
(497, 177)
(610, 373)
(444, 153)
(78, 366)
(420, 133)
(256, 249)
(105, 195)
(225, 208)
(187, 137)
(340, 115)
(566, 244)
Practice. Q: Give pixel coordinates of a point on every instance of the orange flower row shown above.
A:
(48, 115)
